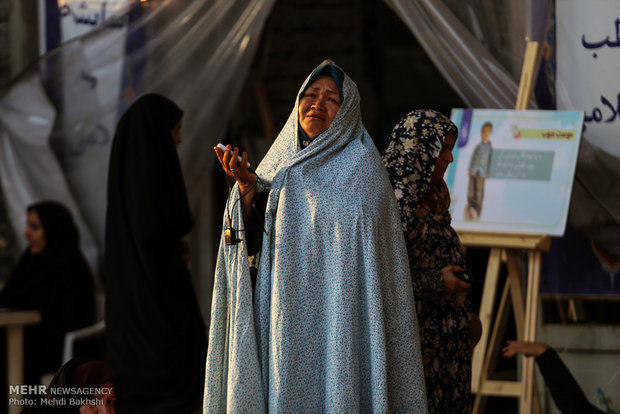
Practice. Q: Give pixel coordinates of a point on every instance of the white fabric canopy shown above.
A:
(464, 55)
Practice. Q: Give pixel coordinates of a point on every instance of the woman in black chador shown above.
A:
(53, 278)
(155, 334)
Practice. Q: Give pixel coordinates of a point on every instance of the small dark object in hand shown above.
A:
(465, 275)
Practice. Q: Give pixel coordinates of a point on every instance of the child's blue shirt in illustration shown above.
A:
(480, 161)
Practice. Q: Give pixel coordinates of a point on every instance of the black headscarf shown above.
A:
(57, 221)
(57, 282)
(155, 334)
(145, 173)
(410, 156)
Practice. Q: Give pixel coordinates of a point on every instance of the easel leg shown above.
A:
(516, 291)
(531, 317)
(485, 315)
(490, 357)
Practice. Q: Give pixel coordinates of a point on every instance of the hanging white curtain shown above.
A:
(478, 46)
(197, 52)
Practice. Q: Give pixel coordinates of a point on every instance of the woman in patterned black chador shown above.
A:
(418, 152)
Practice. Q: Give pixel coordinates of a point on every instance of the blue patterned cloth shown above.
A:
(333, 326)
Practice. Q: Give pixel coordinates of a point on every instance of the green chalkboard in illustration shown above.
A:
(513, 170)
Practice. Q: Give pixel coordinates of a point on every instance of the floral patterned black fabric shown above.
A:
(432, 244)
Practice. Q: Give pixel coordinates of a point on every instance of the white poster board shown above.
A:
(520, 181)
(588, 58)
(78, 17)
(92, 73)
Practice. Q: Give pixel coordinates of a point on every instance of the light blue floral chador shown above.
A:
(332, 325)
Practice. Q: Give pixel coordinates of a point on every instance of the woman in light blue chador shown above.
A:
(330, 324)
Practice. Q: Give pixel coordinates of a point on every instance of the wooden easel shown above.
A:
(506, 247)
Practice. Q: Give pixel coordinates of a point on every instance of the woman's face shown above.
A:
(108, 401)
(176, 134)
(445, 156)
(35, 235)
(319, 105)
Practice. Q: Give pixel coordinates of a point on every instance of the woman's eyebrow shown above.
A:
(316, 88)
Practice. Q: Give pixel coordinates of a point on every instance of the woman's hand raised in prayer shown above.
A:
(244, 177)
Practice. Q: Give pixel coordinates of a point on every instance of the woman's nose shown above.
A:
(319, 103)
